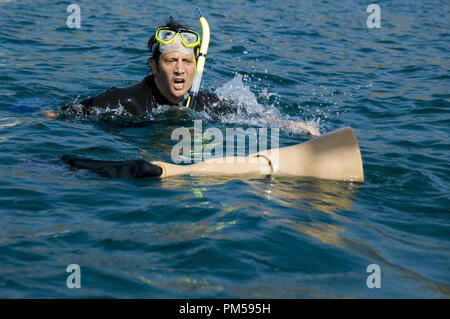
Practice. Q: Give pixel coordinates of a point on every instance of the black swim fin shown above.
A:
(116, 169)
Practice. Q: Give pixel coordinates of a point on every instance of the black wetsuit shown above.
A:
(142, 98)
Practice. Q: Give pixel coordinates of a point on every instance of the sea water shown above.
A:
(220, 237)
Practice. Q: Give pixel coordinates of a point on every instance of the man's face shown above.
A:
(174, 74)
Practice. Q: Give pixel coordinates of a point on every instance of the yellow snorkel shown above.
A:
(191, 98)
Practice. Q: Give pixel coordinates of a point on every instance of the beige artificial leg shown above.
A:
(335, 156)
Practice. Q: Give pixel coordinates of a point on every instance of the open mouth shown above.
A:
(178, 84)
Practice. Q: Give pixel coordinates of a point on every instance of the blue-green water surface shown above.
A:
(223, 237)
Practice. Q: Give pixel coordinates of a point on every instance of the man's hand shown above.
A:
(51, 114)
(308, 128)
(311, 130)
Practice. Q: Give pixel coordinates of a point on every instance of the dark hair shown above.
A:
(153, 45)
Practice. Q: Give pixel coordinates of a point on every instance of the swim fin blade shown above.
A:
(116, 169)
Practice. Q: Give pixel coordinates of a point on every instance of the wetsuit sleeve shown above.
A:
(86, 106)
(108, 99)
(116, 169)
(133, 99)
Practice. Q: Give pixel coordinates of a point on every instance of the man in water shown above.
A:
(174, 49)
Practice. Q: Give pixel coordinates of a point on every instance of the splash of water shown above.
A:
(249, 111)
(252, 113)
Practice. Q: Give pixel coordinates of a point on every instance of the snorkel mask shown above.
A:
(187, 42)
(174, 40)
